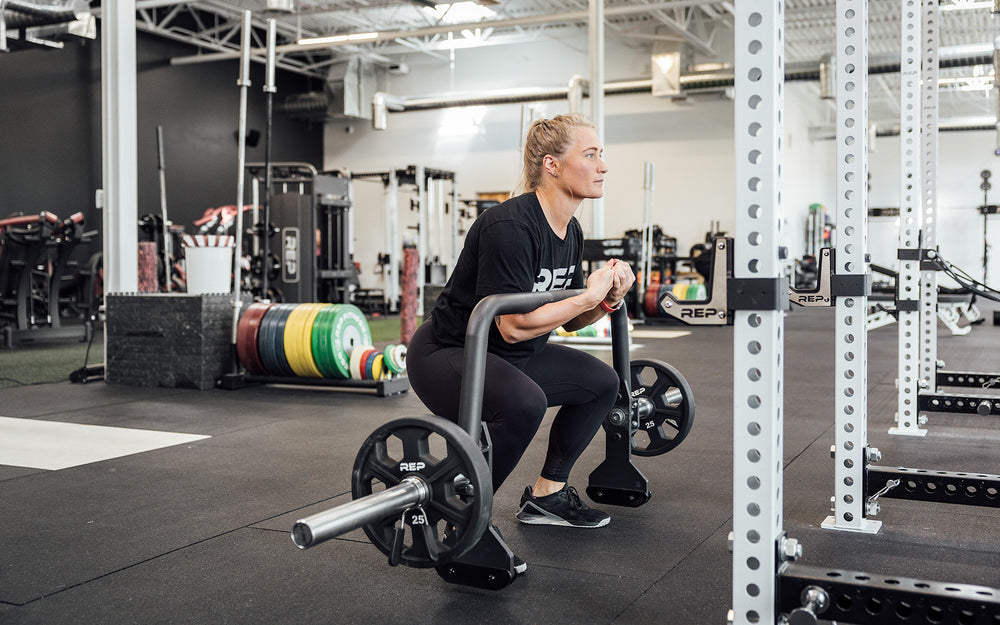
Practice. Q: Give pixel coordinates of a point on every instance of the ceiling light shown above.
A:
(460, 12)
(281, 6)
(962, 5)
(338, 39)
(967, 83)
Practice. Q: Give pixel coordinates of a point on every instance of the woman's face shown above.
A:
(581, 170)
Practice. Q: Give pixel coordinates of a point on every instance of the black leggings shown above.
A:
(514, 401)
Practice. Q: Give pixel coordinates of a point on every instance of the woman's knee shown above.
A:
(520, 408)
(605, 383)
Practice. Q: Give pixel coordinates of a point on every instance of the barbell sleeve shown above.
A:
(392, 502)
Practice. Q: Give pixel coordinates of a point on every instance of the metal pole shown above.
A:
(597, 95)
(120, 190)
(986, 214)
(392, 240)
(160, 165)
(422, 239)
(255, 202)
(410, 492)
(244, 83)
(269, 89)
(910, 174)
(758, 335)
(851, 366)
(928, 222)
(647, 224)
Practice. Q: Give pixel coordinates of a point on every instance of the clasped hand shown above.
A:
(614, 279)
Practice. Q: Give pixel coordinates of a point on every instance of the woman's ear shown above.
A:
(551, 165)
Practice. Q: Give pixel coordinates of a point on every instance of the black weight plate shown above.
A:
(451, 463)
(265, 346)
(668, 423)
(277, 336)
(279, 340)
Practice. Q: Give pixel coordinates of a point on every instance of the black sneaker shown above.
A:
(563, 508)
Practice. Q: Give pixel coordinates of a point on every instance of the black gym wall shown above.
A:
(50, 107)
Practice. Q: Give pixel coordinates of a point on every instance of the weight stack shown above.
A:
(172, 340)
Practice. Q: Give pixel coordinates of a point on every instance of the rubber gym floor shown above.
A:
(198, 532)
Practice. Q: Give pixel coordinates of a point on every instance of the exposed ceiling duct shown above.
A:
(691, 83)
(25, 24)
(24, 14)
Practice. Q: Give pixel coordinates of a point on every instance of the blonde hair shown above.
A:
(547, 136)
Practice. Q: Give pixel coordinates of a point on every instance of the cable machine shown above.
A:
(433, 203)
(305, 251)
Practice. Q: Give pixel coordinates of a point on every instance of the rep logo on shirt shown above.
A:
(554, 279)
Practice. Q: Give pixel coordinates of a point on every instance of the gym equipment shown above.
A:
(313, 344)
(244, 83)
(651, 394)
(449, 516)
(161, 169)
(430, 478)
(456, 510)
(948, 304)
(767, 586)
(437, 245)
(309, 213)
(664, 400)
(262, 226)
(35, 258)
(648, 186)
(986, 210)
(151, 228)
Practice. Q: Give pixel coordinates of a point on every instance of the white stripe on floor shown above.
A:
(53, 445)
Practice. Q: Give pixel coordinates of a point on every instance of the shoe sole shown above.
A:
(561, 523)
(546, 518)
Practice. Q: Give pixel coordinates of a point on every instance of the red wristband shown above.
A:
(608, 309)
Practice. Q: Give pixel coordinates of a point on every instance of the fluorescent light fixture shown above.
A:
(964, 5)
(354, 37)
(967, 83)
(460, 12)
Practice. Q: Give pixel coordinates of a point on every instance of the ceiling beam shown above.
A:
(570, 16)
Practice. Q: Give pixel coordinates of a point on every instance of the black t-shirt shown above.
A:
(509, 249)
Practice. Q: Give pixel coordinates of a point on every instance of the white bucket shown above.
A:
(209, 269)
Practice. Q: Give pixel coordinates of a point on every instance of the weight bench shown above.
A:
(952, 306)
